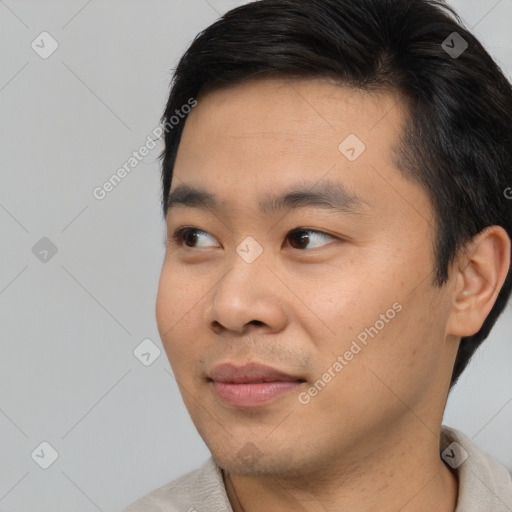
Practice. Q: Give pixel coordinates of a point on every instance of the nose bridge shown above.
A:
(245, 272)
(249, 250)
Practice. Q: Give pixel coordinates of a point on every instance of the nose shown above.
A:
(249, 297)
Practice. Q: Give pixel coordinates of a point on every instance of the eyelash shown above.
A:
(177, 236)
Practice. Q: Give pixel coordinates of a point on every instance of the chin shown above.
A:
(249, 460)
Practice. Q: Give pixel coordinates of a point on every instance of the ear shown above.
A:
(482, 270)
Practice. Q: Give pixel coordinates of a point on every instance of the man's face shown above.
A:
(351, 286)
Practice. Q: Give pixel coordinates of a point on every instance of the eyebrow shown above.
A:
(326, 195)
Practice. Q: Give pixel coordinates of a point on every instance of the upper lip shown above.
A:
(249, 373)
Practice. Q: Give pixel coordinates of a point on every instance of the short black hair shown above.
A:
(458, 140)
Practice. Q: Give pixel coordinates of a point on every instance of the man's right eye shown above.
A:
(188, 236)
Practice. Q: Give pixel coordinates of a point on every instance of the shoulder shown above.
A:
(200, 490)
(485, 485)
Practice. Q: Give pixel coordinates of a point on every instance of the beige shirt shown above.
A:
(484, 484)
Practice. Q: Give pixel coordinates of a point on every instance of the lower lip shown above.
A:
(252, 395)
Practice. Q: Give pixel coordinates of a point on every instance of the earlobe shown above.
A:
(483, 268)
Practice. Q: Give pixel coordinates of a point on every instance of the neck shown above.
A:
(402, 473)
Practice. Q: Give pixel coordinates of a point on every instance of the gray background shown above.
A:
(69, 325)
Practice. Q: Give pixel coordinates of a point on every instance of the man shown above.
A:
(339, 244)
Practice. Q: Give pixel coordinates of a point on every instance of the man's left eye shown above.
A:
(302, 237)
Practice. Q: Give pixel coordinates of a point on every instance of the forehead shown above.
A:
(264, 135)
(289, 121)
(317, 104)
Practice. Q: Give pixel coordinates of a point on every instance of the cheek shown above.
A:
(165, 307)
(373, 323)
(345, 305)
(177, 308)
(404, 357)
(178, 293)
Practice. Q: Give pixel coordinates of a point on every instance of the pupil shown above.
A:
(189, 235)
(302, 236)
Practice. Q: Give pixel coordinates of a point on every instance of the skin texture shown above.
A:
(369, 440)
